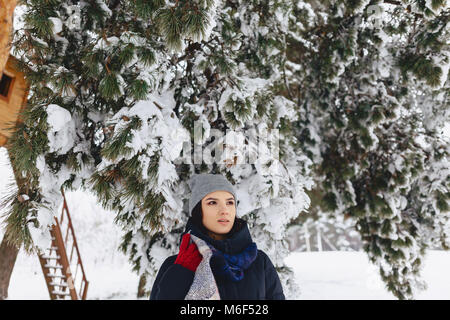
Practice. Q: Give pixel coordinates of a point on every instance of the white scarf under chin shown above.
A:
(204, 286)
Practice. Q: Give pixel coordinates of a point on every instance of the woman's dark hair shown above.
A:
(197, 216)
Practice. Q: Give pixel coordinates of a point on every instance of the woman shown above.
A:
(217, 257)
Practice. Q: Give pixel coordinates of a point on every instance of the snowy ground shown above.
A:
(349, 275)
(321, 275)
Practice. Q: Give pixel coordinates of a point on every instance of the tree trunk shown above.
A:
(8, 252)
(141, 288)
(8, 256)
(6, 28)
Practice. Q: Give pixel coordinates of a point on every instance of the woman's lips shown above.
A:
(223, 222)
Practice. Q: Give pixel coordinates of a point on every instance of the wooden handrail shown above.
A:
(63, 261)
(74, 245)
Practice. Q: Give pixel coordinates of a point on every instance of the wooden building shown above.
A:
(13, 97)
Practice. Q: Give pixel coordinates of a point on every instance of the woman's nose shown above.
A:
(223, 209)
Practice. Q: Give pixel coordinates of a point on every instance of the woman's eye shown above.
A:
(213, 202)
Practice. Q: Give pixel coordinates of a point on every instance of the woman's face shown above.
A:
(219, 212)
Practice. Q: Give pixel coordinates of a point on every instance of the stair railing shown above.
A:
(65, 254)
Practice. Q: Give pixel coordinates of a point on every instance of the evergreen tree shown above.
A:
(118, 86)
(372, 79)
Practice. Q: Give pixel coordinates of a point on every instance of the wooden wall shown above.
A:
(10, 107)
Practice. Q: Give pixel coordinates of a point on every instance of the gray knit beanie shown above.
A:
(202, 184)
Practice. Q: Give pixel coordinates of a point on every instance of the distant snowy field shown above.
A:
(321, 275)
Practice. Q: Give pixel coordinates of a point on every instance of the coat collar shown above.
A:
(239, 241)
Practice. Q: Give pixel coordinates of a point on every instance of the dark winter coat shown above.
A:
(260, 282)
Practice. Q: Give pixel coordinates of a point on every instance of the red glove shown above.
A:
(189, 256)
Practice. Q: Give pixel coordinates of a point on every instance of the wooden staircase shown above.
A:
(58, 262)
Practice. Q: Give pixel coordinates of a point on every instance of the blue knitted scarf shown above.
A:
(232, 267)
